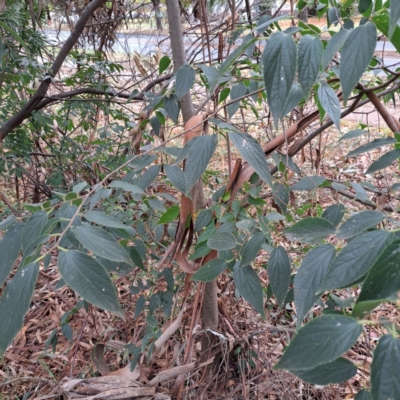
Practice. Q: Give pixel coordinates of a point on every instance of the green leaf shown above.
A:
(136, 258)
(112, 266)
(385, 380)
(310, 230)
(126, 186)
(198, 158)
(364, 5)
(79, 187)
(164, 64)
(280, 194)
(359, 223)
(279, 62)
(249, 286)
(319, 342)
(171, 106)
(334, 45)
(155, 125)
(169, 215)
(185, 77)
(382, 22)
(384, 161)
(394, 16)
(103, 219)
(9, 250)
(203, 219)
(156, 204)
(176, 177)
(251, 248)
(15, 35)
(308, 183)
(221, 241)
(14, 303)
(309, 278)
(252, 152)
(356, 55)
(333, 16)
(310, 56)
(101, 243)
(375, 144)
(149, 176)
(330, 103)
(363, 395)
(33, 228)
(89, 279)
(337, 371)
(279, 271)
(354, 260)
(383, 280)
(334, 214)
(294, 97)
(208, 272)
(353, 134)
(5, 223)
(238, 90)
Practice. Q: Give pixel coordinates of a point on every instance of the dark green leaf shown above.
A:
(279, 62)
(359, 223)
(337, 371)
(309, 278)
(252, 152)
(334, 45)
(251, 248)
(149, 176)
(169, 215)
(375, 144)
(353, 134)
(105, 220)
(334, 214)
(238, 90)
(249, 286)
(319, 342)
(364, 5)
(113, 266)
(126, 186)
(141, 302)
(14, 303)
(279, 271)
(9, 250)
(333, 16)
(221, 241)
(203, 219)
(33, 228)
(208, 272)
(293, 98)
(136, 258)
(101, 243)
(308, 183)
(185, 77)
(310, 230)
(280, 194)
(385, 380)
(89, 279)
(394, 16)
(171, 106)
(354, 260)
(382, 22)
(156, 204)
(356, 55)
(176, 177)
(164, 64)
(198, 158)
(5, 223)
(384, 161)
(155, 125)
(363, 395)
(330, 103)
(310, 56)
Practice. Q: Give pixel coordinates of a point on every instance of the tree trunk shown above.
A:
(156, 4)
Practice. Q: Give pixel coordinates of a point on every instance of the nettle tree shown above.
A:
(309, 79)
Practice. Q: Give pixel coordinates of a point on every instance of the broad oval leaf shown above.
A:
(337, 371)
(280, 194)
(279, 62)
(359, 223)
(198, 158)
(89, 279)
(334, 45)
(126, 186)
(185, 77)
(208, 272)
(384, 161)
(294, 97)
(385, 381)
(176, 177)
(375, 144)
(238, 90)
(249, 286)
(171, 105)
(101, 243)
(310, 56)
(169, 215)
(394, 17)
(321, 341)
(251, 248)
(354, 260)
(221, 241)
(5, 223)
(252, 152)
(309, 278)
(310, 230)
(14, 303)
(103, 219)
(279, 271)
(334, 214)
(308, 183)
(356, 55)
(149, 176)
(353, 134)
(9, 250)
(330, 103)
(32, 229)
(164, 64)
(203, 219)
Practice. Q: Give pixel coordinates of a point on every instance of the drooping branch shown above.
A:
(37, 97)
